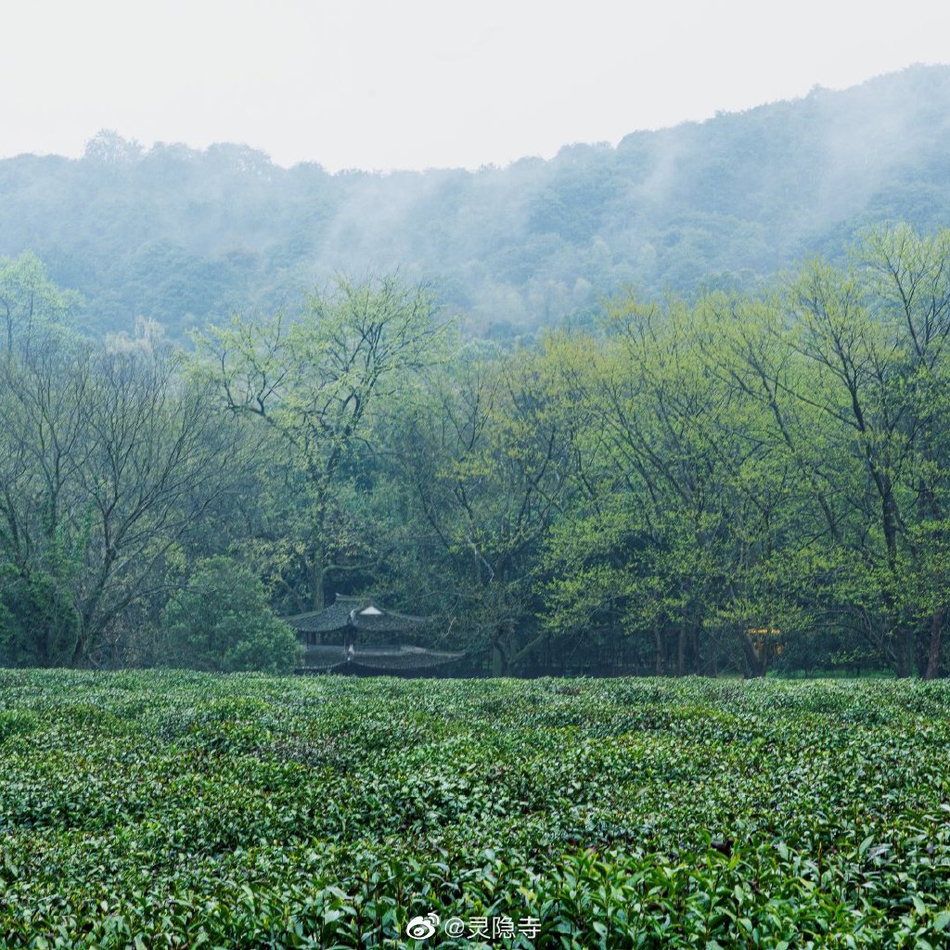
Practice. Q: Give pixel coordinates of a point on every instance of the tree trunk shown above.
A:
(904, 654)
(316, 569)
(681, 651)
(660, 650)
(933, 654)
(755, 664)
(499, 666)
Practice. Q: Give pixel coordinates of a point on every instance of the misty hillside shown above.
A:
(185, 236)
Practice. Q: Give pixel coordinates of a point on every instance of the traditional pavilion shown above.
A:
(356, 637)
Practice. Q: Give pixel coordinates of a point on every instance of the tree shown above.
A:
(850, 367)
(486, 461)
(648, 547)
(221, 622)
(32, 308)
(109, 461)
(315, 383)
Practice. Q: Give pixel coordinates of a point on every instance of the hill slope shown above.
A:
(184, 236)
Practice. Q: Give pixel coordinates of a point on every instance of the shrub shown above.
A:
(221, 622)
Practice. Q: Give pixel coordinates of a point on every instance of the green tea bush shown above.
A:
(180, 809)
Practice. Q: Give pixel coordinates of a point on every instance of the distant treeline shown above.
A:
(186, 237)
(744, 481)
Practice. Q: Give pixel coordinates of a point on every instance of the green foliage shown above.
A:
(221, 622)
(483, 457)
(745, 482)
(109, 460)
(187, 237)
(33, 310)
(768, 472)
(317, 386)
(36, 627)
(184, 809)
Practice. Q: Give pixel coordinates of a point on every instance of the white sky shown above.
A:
(379, 84)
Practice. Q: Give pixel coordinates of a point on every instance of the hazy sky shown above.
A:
(427, 83)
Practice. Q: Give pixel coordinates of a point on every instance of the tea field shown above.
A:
(160, 809)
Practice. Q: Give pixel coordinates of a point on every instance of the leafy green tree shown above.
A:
(866, 355)
(221, 621)
(846, 368)
(37, 625)
(109, 462)
(684, 504)
(33, 309)
(315, 383)
(486, 463)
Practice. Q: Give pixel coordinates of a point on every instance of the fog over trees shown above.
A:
(675, 407)
(184, 236)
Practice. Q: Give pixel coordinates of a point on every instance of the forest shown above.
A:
(733, 481)
(187, 237)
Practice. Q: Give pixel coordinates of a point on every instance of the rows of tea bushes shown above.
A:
(150, 809)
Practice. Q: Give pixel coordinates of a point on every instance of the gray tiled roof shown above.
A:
(334, 617)
(351, 612)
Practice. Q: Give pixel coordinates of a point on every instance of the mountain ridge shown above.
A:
(186, 237)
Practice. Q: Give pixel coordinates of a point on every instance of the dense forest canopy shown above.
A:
(735, 481)
(187, 237)
(678, 406)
